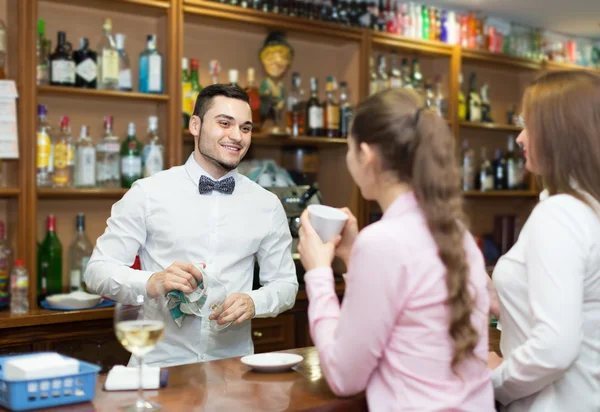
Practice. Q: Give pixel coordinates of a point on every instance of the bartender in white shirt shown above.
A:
(203, 211)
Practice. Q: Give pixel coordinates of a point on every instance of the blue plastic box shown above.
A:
(47, 392)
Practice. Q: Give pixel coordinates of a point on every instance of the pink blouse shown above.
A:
(390, 335)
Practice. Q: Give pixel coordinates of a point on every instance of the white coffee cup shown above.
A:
(327, 221)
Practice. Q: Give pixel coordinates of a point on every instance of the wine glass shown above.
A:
(216, 293)
(138, 328)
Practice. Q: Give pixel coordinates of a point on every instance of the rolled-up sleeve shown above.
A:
(278, 280)
(108, 272)
(556, 258)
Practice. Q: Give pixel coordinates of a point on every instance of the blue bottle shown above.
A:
(444, 27)
(151, 79)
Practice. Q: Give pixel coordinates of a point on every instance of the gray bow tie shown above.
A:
(224, 186)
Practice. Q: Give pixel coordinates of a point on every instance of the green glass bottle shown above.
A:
(50, 262)
(131, 158)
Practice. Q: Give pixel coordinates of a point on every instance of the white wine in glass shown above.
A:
(139, 328)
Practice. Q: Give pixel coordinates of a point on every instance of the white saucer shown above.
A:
(73, 300)
(272, 362)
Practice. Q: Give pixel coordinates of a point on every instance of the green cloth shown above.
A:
(181, 304)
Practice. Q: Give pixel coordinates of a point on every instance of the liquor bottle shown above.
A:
(196, 87)
(233, 77)
(486, 172)
(19, 289)
(151, 68)
(108, 59)
(395, 74)
(344, 13)
(63, 176)
(331, 109)
(417, 77)
(364, 15)
(254, 96)
(499, 171)
(50, 262)
(513, 177)
(296, 107)
(108, 159)
(430, 100)
(425, 22)
(405, 73)
(131, 158)
(153, 156)
(381, 16)
(522, 170)
(5, 259)
(354, 13)
(383, 81)
(391, 23)
(186, 88)
(486, 107)
(334, 12)
(2, 50)
(62, 66)
(468, 167)
(86, 71)
(464, 31)
(85, 162)
(474, 102)
(346, 110)
(42, 47)
(471, 31)
(445, 29)
(314, 110)
(125, 82)
(462, 102)
(45, 150)
(80, 252)
(440, 100)
(374, 80)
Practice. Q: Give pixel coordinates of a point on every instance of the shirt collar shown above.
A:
(194, 170)
(404, 203)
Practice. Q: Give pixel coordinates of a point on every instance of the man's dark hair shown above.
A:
(207, 95)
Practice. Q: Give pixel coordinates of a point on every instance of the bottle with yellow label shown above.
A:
(186, 88)
(462, 102)
(63, 151)
(44, 152)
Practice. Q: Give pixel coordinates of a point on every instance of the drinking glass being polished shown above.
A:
(138, 328)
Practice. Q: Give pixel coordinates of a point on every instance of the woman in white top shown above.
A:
(548, 284)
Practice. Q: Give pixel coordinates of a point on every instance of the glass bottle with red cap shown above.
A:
(5, 259)
(19, 288)
(50, 262)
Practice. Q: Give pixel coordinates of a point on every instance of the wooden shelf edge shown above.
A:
(568, 66)
(94, 193)
(500, 59)
(491, 126)
(157, 4)
(47, 317)
(235, 13)
(407, 43)
(501, 193)
(9, 192)
(114, 94)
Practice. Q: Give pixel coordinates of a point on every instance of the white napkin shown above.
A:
(38, 366)
(122, 378)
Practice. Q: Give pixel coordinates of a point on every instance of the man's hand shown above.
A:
(238, 308)
(181, 276)
(349, 235)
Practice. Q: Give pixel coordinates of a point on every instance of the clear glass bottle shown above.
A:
(405, 73)
(153, 156)
(45, 149)
(5, 261)
(19, 288)
(331, 109)
(151, 68)
(346, 110)
(296, 107)
(383, 81)
(125, 82)
(440, 100)
(395, 74)
(80, 252)
(373, 80)
(63, 176)
(513, 175)
(417, 76)
(314, 110)
(108, 59)
(468, 167)
(85, 172)
(486, 172)
(108, 158)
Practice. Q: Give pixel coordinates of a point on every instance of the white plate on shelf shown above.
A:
(272, 362)
(73, 300)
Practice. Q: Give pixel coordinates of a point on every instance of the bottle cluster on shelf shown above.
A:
(63, 162)
(411, 78)
(50, 263)
(311, 117)
(504, 172)
(3, 47)
(107, 67)
(6, 256)
(418, 21)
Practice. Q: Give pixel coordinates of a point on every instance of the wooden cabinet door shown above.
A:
(272, 334)
(6, 350)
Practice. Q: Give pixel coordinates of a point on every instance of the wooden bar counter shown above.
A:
(229, 385)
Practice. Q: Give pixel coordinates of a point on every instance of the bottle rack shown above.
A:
(321, 49)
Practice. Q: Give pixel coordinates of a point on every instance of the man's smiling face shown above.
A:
(225, 132)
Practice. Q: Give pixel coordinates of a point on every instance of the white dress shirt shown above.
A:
(165, 219)
(549, 290)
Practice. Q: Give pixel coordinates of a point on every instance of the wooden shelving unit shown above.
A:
(502, 193)
(73, 92)
(491, 126)
(76, 193)
(7, 192)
